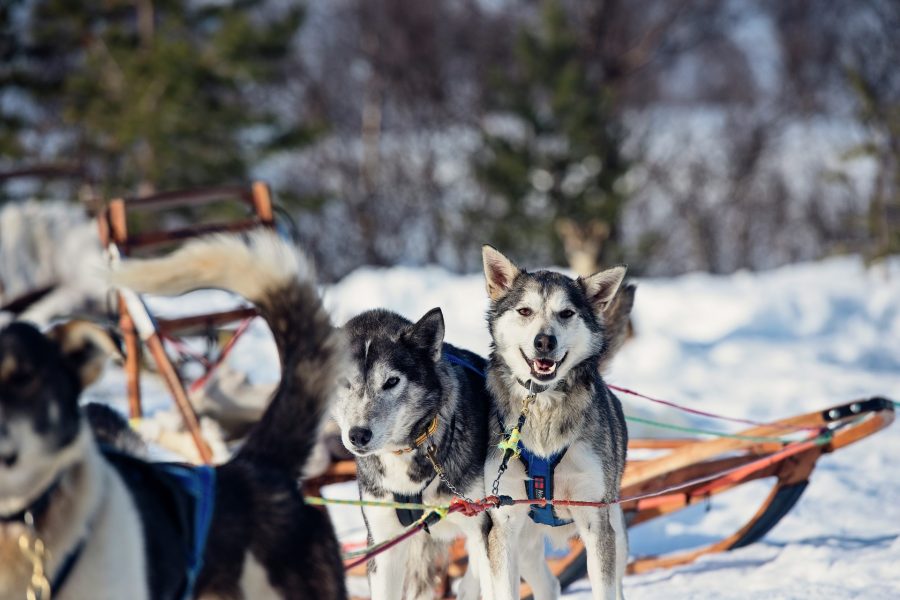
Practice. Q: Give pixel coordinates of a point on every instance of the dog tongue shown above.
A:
(542, 365)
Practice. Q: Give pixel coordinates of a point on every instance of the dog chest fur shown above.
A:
(93, 504)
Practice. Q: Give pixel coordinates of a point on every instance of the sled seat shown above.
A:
(142, 226)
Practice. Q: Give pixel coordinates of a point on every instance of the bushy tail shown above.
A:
(280, 281)
(617, 319)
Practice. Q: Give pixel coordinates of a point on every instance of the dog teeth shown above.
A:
(544, 367)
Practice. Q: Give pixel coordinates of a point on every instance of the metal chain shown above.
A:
(33, 548)
(431, 454)
(513, 435)
(495, 489)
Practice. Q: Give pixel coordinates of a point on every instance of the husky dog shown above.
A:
(404, 391)
(548, 339)
(110, 526)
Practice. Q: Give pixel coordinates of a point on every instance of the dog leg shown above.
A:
(477, 581)
(617, 521)
(535, 571)
(470, 584)
(603, 533)
(422, 566)
(387, 570)
(503, 553)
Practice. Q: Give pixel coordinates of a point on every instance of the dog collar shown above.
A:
(532, 387)
(36, 509)
(537, 388)
(432, 427)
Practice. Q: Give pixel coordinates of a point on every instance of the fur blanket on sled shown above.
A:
(50, 246)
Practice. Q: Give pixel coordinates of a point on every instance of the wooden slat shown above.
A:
(195, 197)
(700, 451)
(659, 444)
(176, 388)
(118, 224)
(132, 360)
(803, 468)
(262, 203)
(201, 323)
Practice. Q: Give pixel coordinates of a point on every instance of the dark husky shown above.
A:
(548, 337)
(112, 525)
(405, 390)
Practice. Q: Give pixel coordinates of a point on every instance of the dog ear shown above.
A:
(428, 333)
(600, 288)
(499, 272)
(85, 347)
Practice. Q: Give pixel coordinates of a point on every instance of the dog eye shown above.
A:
(566, 314)
(391, 382)
(525, 312)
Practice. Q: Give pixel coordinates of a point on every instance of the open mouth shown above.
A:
(543, 369)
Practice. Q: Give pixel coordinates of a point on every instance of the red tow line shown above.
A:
(715, 481)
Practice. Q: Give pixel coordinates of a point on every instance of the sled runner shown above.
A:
(688, 471)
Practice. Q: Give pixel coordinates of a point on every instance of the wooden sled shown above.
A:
(702, 469)
(141, 329)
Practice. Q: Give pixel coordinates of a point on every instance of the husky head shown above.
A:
(392, 389)
(543, 324)
(41, 378)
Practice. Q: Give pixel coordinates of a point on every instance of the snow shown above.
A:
(753, 345)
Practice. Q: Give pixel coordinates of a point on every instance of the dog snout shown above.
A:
(360, 436)
(544, 342)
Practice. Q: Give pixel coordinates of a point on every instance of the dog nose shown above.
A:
(9, 460)
(360, 436)
(544, 342)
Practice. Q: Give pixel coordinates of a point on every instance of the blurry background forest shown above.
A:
(674, 135)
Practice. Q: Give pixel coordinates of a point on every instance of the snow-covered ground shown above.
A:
(760, 346)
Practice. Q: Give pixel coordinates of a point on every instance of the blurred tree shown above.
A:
(871, 70)
(553, 165)
(145, 94)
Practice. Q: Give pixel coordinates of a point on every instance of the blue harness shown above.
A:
(539, 485)
(191, 492)
(540, 470)
(199, 483)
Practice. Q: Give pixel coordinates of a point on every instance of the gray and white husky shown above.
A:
(113, 526)
(548, 337)
(403, 383)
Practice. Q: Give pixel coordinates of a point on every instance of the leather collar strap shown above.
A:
(432, 427)
(532, 387)
(537, 388)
